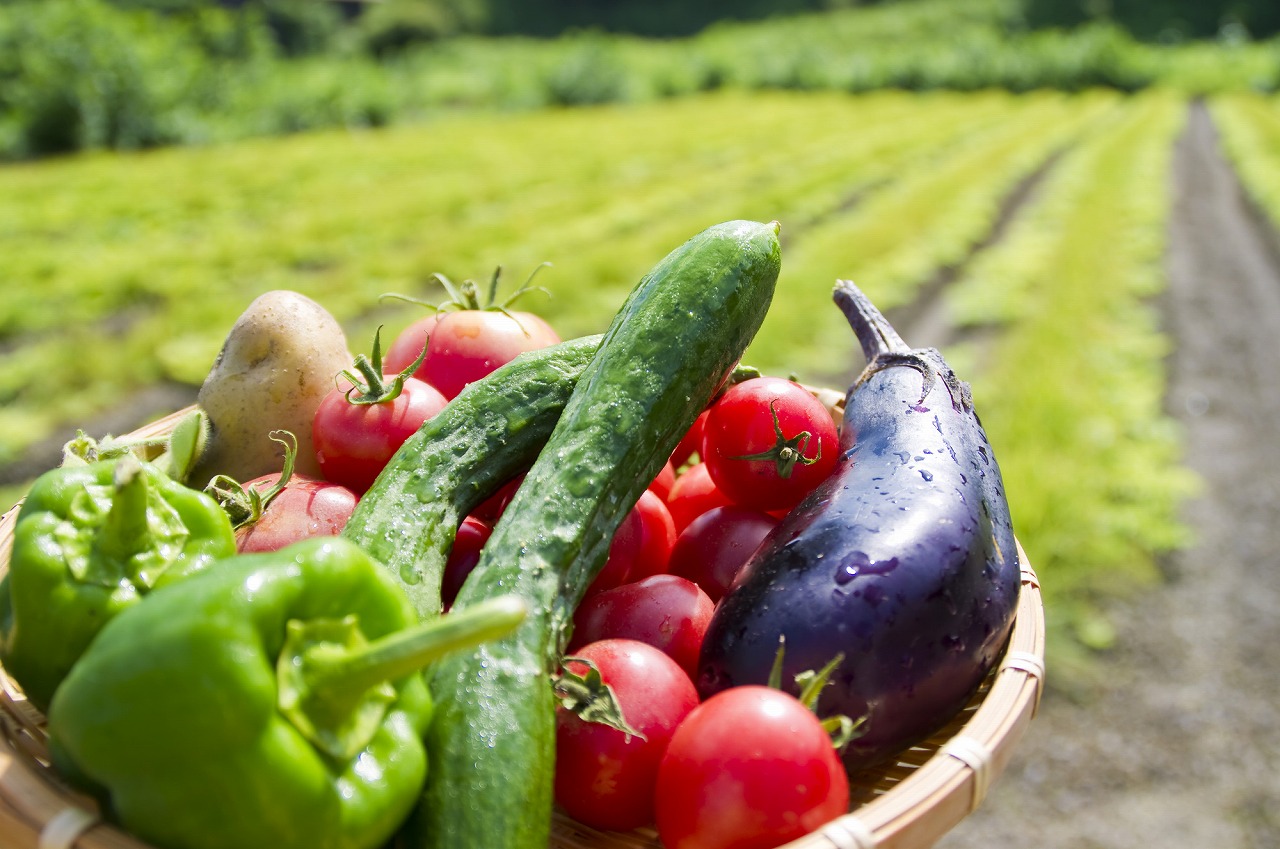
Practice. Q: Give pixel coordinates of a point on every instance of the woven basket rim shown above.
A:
(908, 804)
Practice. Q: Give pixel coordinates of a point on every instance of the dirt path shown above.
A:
(1182, 748)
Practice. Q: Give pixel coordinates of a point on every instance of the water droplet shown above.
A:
(926, 474)
(860, 564)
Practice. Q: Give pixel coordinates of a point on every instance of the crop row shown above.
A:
(1250, 129)
(1069, 369)
(145, 260)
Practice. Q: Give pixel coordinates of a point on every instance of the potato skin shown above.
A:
(276, 365)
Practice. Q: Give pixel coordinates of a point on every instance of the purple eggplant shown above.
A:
(903, 560)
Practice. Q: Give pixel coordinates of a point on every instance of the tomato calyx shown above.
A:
(245, 505)
(590, 698)
(786, 452)
(841, 728)
(376, 389)
(466, 295)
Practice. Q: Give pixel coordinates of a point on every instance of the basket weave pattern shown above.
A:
(908, 804)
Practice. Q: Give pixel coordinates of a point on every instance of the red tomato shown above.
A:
(473, 533)
(306, 507)
(465, 345)
(750, 768)
(646, 537)
(756, 448)
(641, 546)
(713, 548)
(693, 494)
(605, 778)
(493, 506)
(353, 442)
(690, 445)
(408, 344)
(664, 481)
(666, 611)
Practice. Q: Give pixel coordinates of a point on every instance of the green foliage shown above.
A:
(1165, 20)
(397, 25)
(222, 36)
(81, 74)
(300, 27)
(309, 94)
(588, 71)
(659, 18)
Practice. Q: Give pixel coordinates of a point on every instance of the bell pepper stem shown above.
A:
(346, 671)
(125, 530)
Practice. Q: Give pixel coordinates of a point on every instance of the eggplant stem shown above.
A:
(873, 330)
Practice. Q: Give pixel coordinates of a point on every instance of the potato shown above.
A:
(278, 362)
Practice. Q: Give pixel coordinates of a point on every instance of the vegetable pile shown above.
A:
(494, 572)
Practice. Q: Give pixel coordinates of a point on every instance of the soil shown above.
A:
(1177, 741)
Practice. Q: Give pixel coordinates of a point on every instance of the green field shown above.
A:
(124, 271)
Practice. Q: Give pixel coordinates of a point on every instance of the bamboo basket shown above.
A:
(908, 804)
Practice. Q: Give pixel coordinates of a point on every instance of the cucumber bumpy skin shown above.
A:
(491, 432)
(680, 332)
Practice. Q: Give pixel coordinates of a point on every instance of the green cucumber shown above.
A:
(676, 338)
(491, 432)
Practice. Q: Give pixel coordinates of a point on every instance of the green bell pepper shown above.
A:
(271, 702)
(91, 540)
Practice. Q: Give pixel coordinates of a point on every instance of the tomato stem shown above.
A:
(785, 453)
(245, 505)
(466, 295)
(376, 389)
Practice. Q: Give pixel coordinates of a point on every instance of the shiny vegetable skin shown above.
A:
(681, 330)
(904, 559)
(487, 435)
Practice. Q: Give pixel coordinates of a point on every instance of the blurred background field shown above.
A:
(993, 172)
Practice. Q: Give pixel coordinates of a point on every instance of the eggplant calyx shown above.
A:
(844, 730)
(841, 728)
(921, 361)
(884, 348)
(785, 452)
